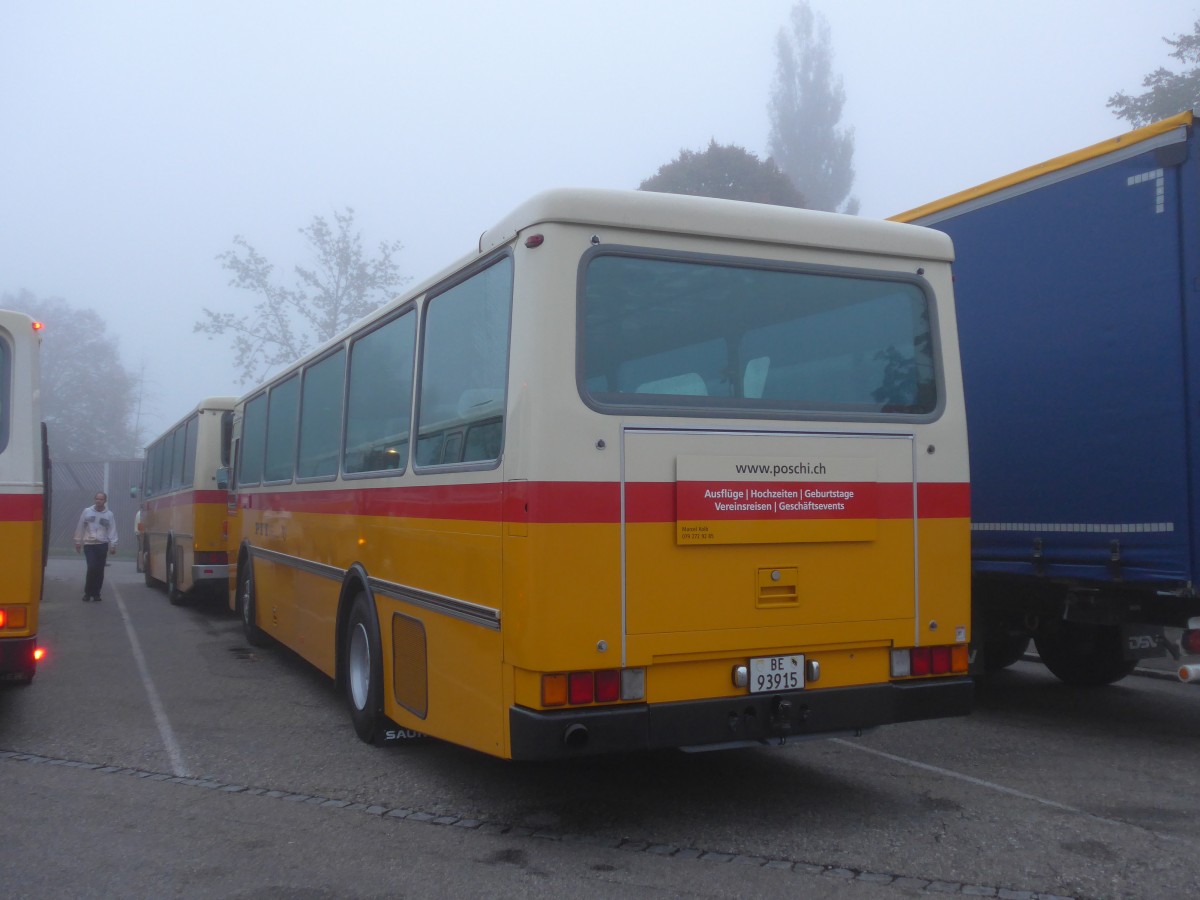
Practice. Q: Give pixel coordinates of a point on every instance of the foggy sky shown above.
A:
(140, 136)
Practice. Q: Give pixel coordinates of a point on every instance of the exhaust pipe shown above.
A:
(576, 736)
(1189, 673)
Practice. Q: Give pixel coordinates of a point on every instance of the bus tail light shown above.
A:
(16, 617)
(39, 653)
(608, 686)
(212, 558)
(581, 688)
(589, 687)
(554, 690)
(918, 662)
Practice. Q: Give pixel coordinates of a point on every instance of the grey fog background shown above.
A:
(140, 136)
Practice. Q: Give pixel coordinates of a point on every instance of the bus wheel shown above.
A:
(1084, 654)
(363, 671)
(174, 595)
(255, 636)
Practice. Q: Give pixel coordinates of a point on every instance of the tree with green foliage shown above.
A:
(87, 395)
(805, 108)
(342, 286)
(727, 171)
(1168, 93)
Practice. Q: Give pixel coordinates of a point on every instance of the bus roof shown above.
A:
(1121, 142)
(710, 217)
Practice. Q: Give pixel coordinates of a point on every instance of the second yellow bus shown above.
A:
(183, 539)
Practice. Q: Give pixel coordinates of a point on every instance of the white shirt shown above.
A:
(96, 527)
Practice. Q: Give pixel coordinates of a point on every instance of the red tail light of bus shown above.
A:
(919, 662)
(586, 688)
(39, 653)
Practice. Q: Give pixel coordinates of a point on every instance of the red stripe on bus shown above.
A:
(568, 502)
(20, 507)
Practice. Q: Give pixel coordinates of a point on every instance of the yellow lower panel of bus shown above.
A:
(463, 693)
(21, 563)
(564, 587)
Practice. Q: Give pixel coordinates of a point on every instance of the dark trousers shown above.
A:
(97, 557)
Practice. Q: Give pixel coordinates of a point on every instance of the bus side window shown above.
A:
(253, 441)
(464, 364)
(283, 410)
(379, 400)
(321, 417)
(189, 451)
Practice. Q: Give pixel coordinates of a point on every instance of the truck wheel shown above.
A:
(362, 673)
(1001, 651)
(1083, 654)
(248, 607)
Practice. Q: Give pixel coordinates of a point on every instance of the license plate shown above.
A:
(776, 673)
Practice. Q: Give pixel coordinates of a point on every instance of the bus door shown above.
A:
(767, 542)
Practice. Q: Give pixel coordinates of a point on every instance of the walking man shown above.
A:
(96, 534)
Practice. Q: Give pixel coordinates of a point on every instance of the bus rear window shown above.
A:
(678, 335)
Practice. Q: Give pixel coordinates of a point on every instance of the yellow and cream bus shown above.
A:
(24, 496)
(183, 539)
(642, 471)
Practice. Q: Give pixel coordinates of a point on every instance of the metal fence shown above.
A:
(74, 486)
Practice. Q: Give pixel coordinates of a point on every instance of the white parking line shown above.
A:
(160, 715)
(992, 786)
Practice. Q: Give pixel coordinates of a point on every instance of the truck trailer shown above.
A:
(1078, 287)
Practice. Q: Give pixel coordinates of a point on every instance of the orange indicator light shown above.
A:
(554, 690)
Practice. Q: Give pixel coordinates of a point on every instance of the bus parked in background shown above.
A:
(24, 496)
(183, 536)
(643, 471)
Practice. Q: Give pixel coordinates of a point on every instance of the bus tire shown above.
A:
(1084, 654)
(248, 607)
(174, 595)
(362, 670)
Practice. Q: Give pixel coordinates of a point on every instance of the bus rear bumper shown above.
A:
(732, 721)
(16, 657)
(204, 574)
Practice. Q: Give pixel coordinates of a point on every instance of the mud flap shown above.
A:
(1143, 641)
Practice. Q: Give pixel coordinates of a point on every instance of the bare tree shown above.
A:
(806, 105)
(1167, 92)
(341, 287)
